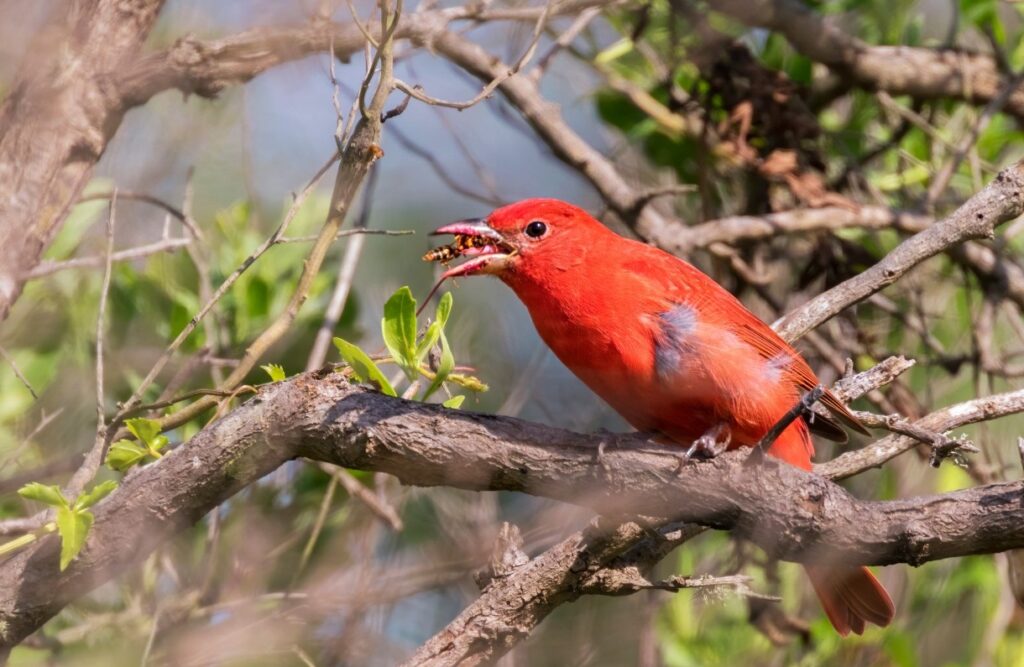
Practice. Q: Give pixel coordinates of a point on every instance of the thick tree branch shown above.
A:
(592, 561)
(790, 513)
(55, 122)
(922, 73)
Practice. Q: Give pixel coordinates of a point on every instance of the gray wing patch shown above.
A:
(676, 328)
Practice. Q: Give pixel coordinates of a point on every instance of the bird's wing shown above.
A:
(770, 346)
(684, 283)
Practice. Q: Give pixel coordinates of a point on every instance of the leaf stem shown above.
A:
(27, 539)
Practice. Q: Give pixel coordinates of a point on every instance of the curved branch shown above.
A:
(791, 513)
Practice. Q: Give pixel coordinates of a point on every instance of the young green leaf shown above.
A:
(73, 526)
(124, 454)
(444, 367)
(455, 402)
(48, 494)
(430, 337)
(444, 309)
(275, 371)
(143, 429)
(98, 493)
(399, 328)
(433, 333)
(363, 367)
(158, 443)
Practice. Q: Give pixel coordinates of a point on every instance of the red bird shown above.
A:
(668, 348)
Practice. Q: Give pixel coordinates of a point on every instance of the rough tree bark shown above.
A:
(56, 121)
(792, 514)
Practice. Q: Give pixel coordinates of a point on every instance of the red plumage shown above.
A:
(667, 347)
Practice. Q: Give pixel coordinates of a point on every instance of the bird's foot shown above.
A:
(711, 444)
(607, 438)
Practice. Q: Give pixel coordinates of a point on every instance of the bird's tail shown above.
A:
(851, 597)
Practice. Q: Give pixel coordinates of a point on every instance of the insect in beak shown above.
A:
(474, 238)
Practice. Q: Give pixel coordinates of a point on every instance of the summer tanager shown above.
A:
(668, 348)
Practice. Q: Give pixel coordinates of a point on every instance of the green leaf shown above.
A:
(399, 328)
(124, 454)
(48, 494)
(73, 527)
(433, 333)
(455, 402)
(430, 337)
(98, 493)
(159, 442)
(143, 429)
(275, 371)
(444, 309)
(363, 367)
(444, 367)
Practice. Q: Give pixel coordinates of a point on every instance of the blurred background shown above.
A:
(367, 590)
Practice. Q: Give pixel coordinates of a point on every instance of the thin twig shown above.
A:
(87, 471)
(356, 489)
(17, 372)
(318, 526)
(182, 216)
(47, 268)
(361, 151)
(349, 232)
(994, 106)
(226, 285)
(489, 87)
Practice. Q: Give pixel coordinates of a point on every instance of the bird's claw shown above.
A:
(709, 445)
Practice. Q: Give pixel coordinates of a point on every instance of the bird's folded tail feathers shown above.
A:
(851, 597)
(841, 412)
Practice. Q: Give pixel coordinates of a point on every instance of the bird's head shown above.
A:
(534, 234)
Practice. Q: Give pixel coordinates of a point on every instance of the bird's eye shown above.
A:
(536, 229)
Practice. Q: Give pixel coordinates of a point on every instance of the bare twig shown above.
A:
(940, 421)
(441, 171)
(994, 106)
(564, 39)
(48, 268)
(942, 445)
(17, 372)
(101, 315)
(94, 458)
(180, 214)
(355, 489)
(349, 232)
(361, 151)
(225, 286)
(538, 30)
